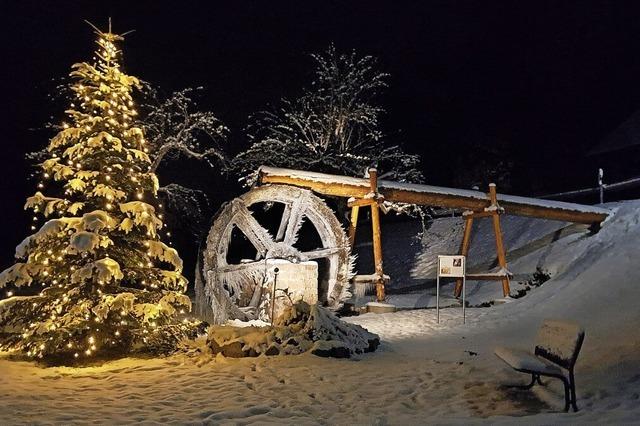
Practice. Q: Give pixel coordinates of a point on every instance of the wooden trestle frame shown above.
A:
(494, 211)
(373, 192)
(373, 199)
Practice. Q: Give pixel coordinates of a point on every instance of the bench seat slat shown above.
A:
(526, 361)
(558, 340)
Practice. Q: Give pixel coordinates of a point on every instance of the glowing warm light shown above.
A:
(79, 259)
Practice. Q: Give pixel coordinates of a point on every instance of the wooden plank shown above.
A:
(362, 202)
(432, 199)
(286, 213)
(350, 189)
(486, 277)
(296, 216)
(519, 209)
(478, 215)
(250, 227)
(502, 258)
(343, 186)
(464, 248)
(353, 223)
(377, 238)
(321, 252)
(366, 279)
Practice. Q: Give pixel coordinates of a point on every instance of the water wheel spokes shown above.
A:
(240, 281)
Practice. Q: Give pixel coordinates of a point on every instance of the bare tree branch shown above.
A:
(174, 125)
(333, 127)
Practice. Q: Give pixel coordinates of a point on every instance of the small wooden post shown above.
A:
(464, 248)
(502, 258)
(601, 185)
(377, 240)
(352, 225)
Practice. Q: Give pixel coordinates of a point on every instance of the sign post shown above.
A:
(451, 267)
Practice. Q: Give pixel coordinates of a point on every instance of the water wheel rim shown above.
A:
(302, 204)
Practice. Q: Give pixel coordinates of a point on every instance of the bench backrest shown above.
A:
(559, 342)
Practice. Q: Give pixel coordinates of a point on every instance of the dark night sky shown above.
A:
(544, 80)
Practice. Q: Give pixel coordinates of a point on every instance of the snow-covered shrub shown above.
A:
(540, 276)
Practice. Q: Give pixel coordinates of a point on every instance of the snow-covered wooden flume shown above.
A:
(428, 195)
(475, 204)
(237, 287)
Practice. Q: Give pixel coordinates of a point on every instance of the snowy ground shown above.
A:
(423, 373)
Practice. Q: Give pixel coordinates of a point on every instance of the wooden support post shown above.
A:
(464, 248)
(502, 258)
(353, 224)
(377, 239)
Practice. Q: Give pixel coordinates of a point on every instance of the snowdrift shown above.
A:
(423, 372)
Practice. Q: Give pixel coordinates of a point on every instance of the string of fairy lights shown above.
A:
(107, 55)
(106, 115)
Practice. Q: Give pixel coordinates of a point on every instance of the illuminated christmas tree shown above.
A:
(109, 285)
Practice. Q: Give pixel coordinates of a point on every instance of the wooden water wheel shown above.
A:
(231, 287)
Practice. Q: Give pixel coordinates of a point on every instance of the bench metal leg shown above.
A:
(534, 377)
(568, 383)
(572, 382)
(567, 399)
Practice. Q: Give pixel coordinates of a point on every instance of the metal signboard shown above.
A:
(451, 266)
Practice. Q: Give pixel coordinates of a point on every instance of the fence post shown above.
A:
(601, 185)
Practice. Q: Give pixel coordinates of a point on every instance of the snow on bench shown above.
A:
(556, 350)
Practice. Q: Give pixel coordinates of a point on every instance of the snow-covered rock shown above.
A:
(301, 328)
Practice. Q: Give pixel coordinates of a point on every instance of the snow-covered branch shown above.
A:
(333, 127)
(175, 126)
(189, 207)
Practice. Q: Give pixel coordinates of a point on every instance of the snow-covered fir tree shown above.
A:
(109, 286)
(176, 128)
(333, 127)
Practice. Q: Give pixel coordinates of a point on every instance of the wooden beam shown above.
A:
(485, 277)
(362, 202)
(478, 215)
(377, 238)
(502, 258)
(464, 248)
(343, 186)
(367, 279)
(518, 208)
(318, 182)
(353, 224)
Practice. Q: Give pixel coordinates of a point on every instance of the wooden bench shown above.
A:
(556, 350)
